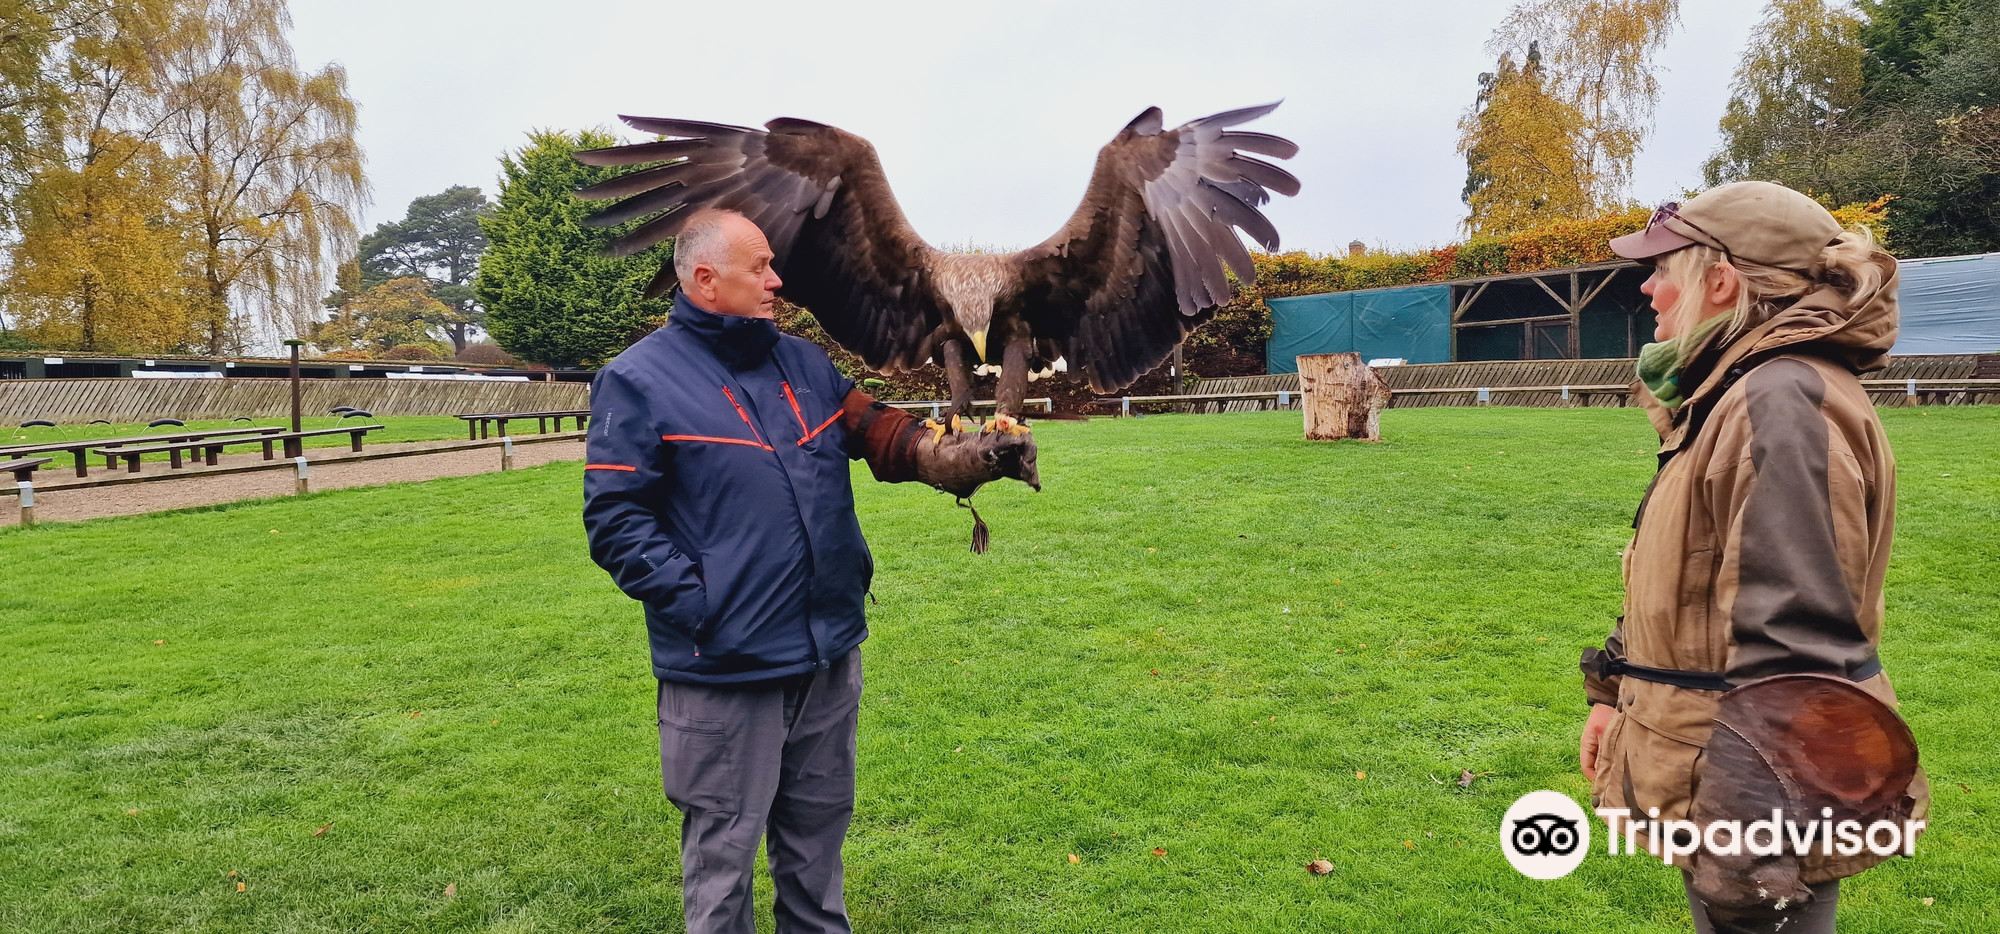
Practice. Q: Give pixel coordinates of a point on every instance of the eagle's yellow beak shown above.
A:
(979, 344)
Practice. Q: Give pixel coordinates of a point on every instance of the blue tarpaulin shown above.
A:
(1950, 304)
(1413, 323)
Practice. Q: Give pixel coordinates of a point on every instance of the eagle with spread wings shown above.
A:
(1139, 265)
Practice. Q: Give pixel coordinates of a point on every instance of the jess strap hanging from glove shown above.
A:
(901, 448)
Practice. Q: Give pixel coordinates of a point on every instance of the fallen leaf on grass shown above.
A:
(232, 874)
(1409, 844)
(451, 890)
(1320, 867)
(159, 642)
(1466, 778)
(1160, 852)
(1074, 859)
(1156, 672)
(240, 886)
(1360, 776)
(415, 714)
(323, 828)
(1928, 901)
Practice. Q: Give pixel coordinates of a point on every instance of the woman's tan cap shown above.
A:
(1758, 222)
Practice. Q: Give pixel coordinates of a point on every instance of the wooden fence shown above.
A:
(71, 401)
(1504, 373)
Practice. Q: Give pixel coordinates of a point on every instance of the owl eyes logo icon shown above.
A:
(1544, 835)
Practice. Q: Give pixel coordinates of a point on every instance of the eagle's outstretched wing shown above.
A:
(844, 249)
(1141, 261)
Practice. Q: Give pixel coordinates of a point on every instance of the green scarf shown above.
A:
(1660, 364)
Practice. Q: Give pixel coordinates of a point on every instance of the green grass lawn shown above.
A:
(1174, 664)
(394, 430)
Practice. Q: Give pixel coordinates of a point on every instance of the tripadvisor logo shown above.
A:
(1545, 835)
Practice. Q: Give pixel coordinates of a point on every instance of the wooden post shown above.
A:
(304, 475)
(294, 345)
(506, 453)
(1576, 300)
(27, 503)
(1344, 398)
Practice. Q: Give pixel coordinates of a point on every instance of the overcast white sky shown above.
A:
(986, 115)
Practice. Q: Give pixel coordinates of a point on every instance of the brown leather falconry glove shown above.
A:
(1810, 747)
(900, 448)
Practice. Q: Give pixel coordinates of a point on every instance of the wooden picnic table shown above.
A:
(23, 468)
(79, 450)
(211, 448)
(477, 424)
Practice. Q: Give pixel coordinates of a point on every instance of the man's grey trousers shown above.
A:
(741, 762)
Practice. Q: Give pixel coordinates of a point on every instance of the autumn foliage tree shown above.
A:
(1794, 98)
(102, 260)
(169, 178)
(98, 259)
(1524, 152)
(275, 174)
(1894, 97)
(1596, 57)
(392, 314)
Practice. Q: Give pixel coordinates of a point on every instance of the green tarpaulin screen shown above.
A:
(1413, 323)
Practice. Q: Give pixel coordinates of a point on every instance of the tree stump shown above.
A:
(1343, 397)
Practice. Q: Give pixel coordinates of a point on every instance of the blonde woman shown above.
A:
(1761, 545)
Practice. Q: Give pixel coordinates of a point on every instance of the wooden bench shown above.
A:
(1123, 404)
(1936, 391)
(23, 468)
(478, 424)
(79, 450)
(211, 448)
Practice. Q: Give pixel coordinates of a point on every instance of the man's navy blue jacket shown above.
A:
(716, 492)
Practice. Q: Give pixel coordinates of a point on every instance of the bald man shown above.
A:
(717, 494)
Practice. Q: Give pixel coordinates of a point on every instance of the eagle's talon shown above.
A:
(1006, 423)
(936, 428)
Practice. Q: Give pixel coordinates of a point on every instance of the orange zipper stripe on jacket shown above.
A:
(794, 400)
(745, 416)
(822, 427)
(810, 433)
(610, 467)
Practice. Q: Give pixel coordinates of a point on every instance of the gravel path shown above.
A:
(60, 505)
